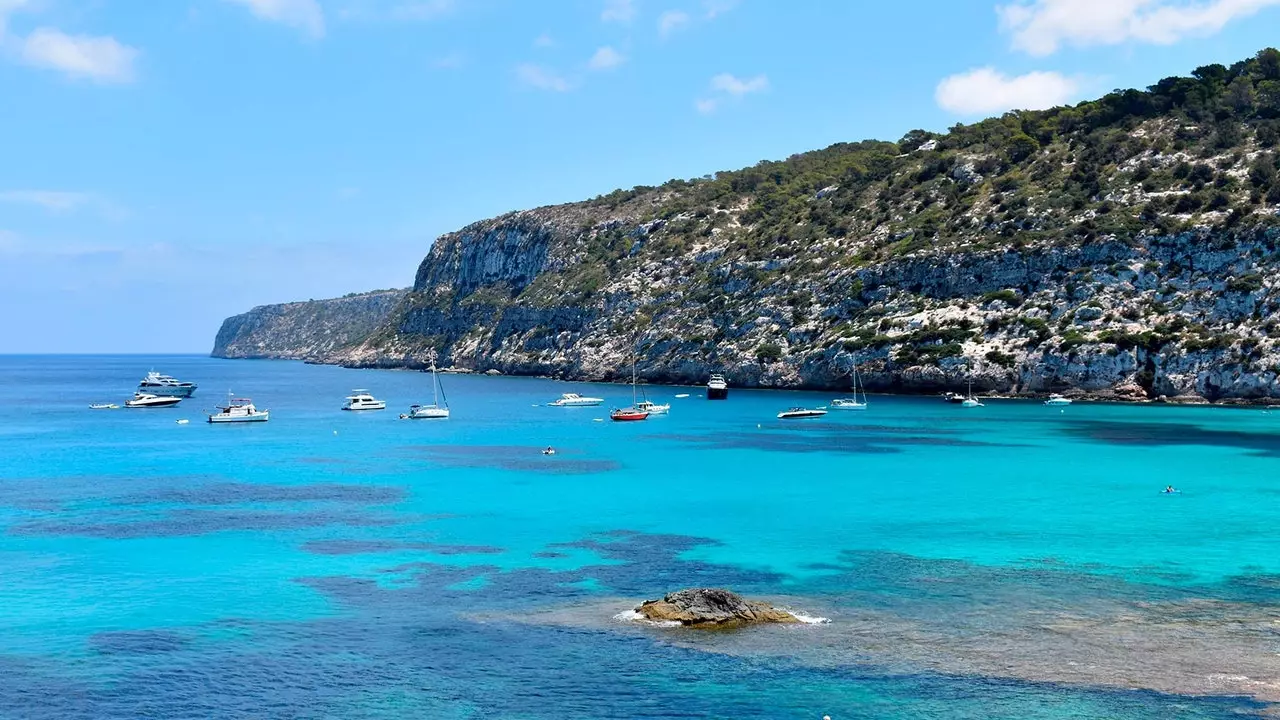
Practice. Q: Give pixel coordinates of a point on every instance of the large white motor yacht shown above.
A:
(575, 400)
(717, 388)
(239, 410)
(362, 400)
(147, 400)
(165, 386)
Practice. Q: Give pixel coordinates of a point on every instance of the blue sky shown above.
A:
(166, 164)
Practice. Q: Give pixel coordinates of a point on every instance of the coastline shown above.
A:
(1075, 395)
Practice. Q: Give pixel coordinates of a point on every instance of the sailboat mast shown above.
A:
(633, 380)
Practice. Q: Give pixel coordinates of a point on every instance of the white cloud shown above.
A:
(7, 8)
(716, 8)
(724, 82)
(52, 200)
(671, 21)
(452, 61)
(986, 90)
(1042, 27)
(606, 58)
(100, 59)
(422, 9)
(544, 41)
(618, 11)
(305, 15)
(540, 78)
(706, 106)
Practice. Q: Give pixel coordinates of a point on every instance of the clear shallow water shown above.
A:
(974, 563)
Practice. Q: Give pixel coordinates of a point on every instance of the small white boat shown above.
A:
(362, 400)
(183, 421)
(970, 401)
(575, 400)
(653, 408)
(146, 400)
(1057, 401)
(797, 413)
(104, 406)
(683, 395)
(851, 403)
(434, 411)
(165, 386)
(239, 410)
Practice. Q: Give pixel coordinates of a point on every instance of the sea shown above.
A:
(1008, 561)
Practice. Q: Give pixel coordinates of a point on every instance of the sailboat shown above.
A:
(434, 411)
(851, 403)
(635, 412)
(970, 401)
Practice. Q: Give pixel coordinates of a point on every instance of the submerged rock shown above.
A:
(711, 607)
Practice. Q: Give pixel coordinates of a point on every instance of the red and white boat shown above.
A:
(635, 412)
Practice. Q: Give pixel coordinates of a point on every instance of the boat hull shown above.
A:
(178, 391)
(590, 403)
(257, 417)
(366, 406)
(838, 405)
(628, 416)
(156, 403)
(801, 414)
(429, 414)
(717, 393)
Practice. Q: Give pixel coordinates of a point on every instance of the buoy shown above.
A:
(335, 432)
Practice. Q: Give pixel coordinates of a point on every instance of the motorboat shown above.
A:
(635, 412)
(239, 410)
(653, 408)
(953, 397)
(165, 386)
(104, 406)
(362, 400)
(147, 400)
(1057, 401)
(434, 411)
(717, 388)
(851, 403)
(797, 413)
(575, 400)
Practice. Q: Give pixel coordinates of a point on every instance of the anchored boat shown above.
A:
(239, 410)
(434, 411)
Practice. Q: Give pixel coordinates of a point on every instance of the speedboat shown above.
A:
(953, 397)
(1057, 401)
(239, 410)
(717, 388)
(653, 408)
(575, 400)
(362, 400)
(147, 400)
(104, 406)
(797, 413)
(165, 386)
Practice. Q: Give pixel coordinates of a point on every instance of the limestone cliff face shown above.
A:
(312, 330)
(1127, 247)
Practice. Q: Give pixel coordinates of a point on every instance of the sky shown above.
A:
(166, 164)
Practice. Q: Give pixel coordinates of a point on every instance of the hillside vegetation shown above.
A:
(1124, 247)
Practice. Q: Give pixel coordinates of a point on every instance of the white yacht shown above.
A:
(239, 410)
(851, 403)
(362, 400)
(653, 408)
(717, 388)
(434, 411)
(797, 413)
(575, 400)
(1056, 400)
(147, 400)
(165, 386)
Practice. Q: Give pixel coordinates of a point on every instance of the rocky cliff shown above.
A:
(313, 330)
(1126, 247)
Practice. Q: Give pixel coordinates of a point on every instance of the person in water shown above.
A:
(1169, 489)
(549, 451)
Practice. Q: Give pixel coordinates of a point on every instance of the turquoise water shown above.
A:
(331, 564)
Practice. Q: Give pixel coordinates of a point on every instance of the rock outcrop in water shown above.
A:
(1124, 248)
(313, 330)
(711, 608)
